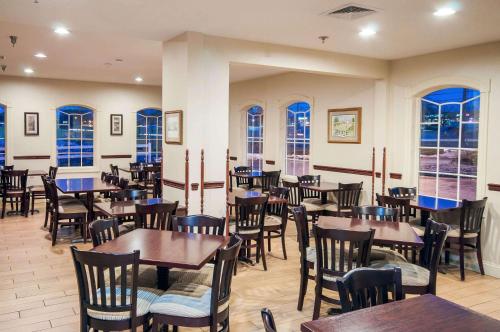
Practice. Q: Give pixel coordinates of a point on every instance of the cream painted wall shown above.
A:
(45, 95)
(322, 92)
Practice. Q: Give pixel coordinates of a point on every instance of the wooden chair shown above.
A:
(401, 204)
(147, 176)
(38, 192)
(123, 183)
(63, 199)
(404, 192)
(467, 236)
(128, 195)
(135, 169)
(157, 187)
(309, 198)
(242, 182)
(114, 170)
(14, 188)
(338, 251)
(268, 320)
(270, 179)
(377, 213)
(421, 278)
(155, 216)
(109, 301)
(307, 253)
(347, 197)
(367, 287)
(276, 219)
(179, 306)
(103, 230)
(249, 225)
(74, 211)
(295, 199)
(200, 224)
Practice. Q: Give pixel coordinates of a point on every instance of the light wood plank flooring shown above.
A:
(38, 289)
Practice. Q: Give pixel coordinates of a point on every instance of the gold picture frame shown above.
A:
(344, 125)
(173, 127)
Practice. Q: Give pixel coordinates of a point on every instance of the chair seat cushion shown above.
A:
(232, 229)
(72, 208)
(37, 189)
(14, 192)
(311, 207)
(412, 274)
(272, 221)
(145, 297)
(201, 277)
(126, 227)
(455, 232)
(311, 254)
(185, 300)
(386, 254)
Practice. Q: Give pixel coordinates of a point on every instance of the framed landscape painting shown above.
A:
(344, 125)
(31, 127)
(116, 124)
(173, 127)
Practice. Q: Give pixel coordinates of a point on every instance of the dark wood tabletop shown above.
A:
(83, 185)
(433, 204)
(166, 248)
(252, 174)
(123, 209)
(323, 187)
(423, 313)
(386, 232)
(251, 194)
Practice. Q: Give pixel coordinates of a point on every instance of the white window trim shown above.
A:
(261, 139)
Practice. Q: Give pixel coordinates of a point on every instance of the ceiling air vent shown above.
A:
(350, 12)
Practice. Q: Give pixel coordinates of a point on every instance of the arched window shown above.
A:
(255, 137)
(298, 138)
(75, 136)
(149, 129)
(2, 135)
(449, 132)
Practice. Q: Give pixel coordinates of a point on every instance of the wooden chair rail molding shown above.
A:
(208, 185)
(116, 156)
(493, 187)
(233, 158)
(30, 157)
(270, 162)
(174, 184)
(395, 176)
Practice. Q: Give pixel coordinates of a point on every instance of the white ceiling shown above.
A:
(133, 30)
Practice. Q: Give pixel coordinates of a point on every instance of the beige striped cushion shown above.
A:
(455, 232)
(232, 229)
(272, 221)
(185, 300)
(145, 297)
(381, 254)
(413, 275)
(201, 277)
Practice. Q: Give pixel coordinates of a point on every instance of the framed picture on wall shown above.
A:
(116, 124)
(173, 127)
(344, 125)
(31, 125)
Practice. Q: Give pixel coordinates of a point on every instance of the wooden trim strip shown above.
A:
(233, 158)
(30, 157)
(202, 180)
(373, 176)
(396, 176)
(493, 187)
(213, 184)
(194, 186)
(174, 184)
(186, 181)
(344, 170)
(270, 162)
(116, 156)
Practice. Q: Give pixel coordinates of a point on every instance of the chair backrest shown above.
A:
(155, 216)
(471, 216)
(14, 180)
(377, 213)
(48, 191)
(250, 213)
(7, 168)
(401, 204)
(101, 288)
(123, 183)
(268, 320)
(281, 209)
(53, 172)
(225, 259)
(134, 171)
(293, 195)
(338, 251)
(366, 287)
(403, 192)
(270, 179)
(309, 179)
(157, 187)
(114, 170)
(200, 224)
(103, 176)
(104, 230)
(53, 195)
(149, 173)
(434, 239)
(242, 169)
(300, 216)
(128, 195)
(348, 195)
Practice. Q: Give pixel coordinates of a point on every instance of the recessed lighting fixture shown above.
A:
(139, 79)
(28, 71)
(367, 32)
(40, 55)
(62, 31)
(444, 11)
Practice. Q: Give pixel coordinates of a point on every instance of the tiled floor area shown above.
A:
(38, 290)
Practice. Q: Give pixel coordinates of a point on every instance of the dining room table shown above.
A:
(250, 176)
(428, 205)
(166, 249)
(323, 188)
(124, 209)
(421, 313)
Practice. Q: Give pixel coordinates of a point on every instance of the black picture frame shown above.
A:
(31, 124)
(116, 128)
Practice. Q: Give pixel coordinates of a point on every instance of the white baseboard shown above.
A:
(491, 269)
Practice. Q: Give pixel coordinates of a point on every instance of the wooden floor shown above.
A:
(38, 290)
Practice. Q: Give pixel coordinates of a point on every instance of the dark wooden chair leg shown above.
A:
(479, 254)
(283, 244)
(4, 203)
(269, 241)
(32, 203)
(263, 252)
(257, 252)
(46, 215)
(54, 231)
(317, 301)
(462, 260)
(303, 287)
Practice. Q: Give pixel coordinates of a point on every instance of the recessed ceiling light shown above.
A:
(444, 11)
(61, 31)
(28, 71)
(367, 32)
(40, 55)
(138, 79)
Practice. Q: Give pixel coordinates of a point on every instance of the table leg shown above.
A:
(250, 183)
(424, 215)
(324, 197)
(162, 275)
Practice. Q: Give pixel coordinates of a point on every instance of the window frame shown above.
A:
(287, 140)
(159, 133)
(254, 139)
(4, 138)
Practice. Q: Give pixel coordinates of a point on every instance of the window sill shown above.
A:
(73, 170)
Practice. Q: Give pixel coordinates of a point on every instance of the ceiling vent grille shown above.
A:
(350, 12)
